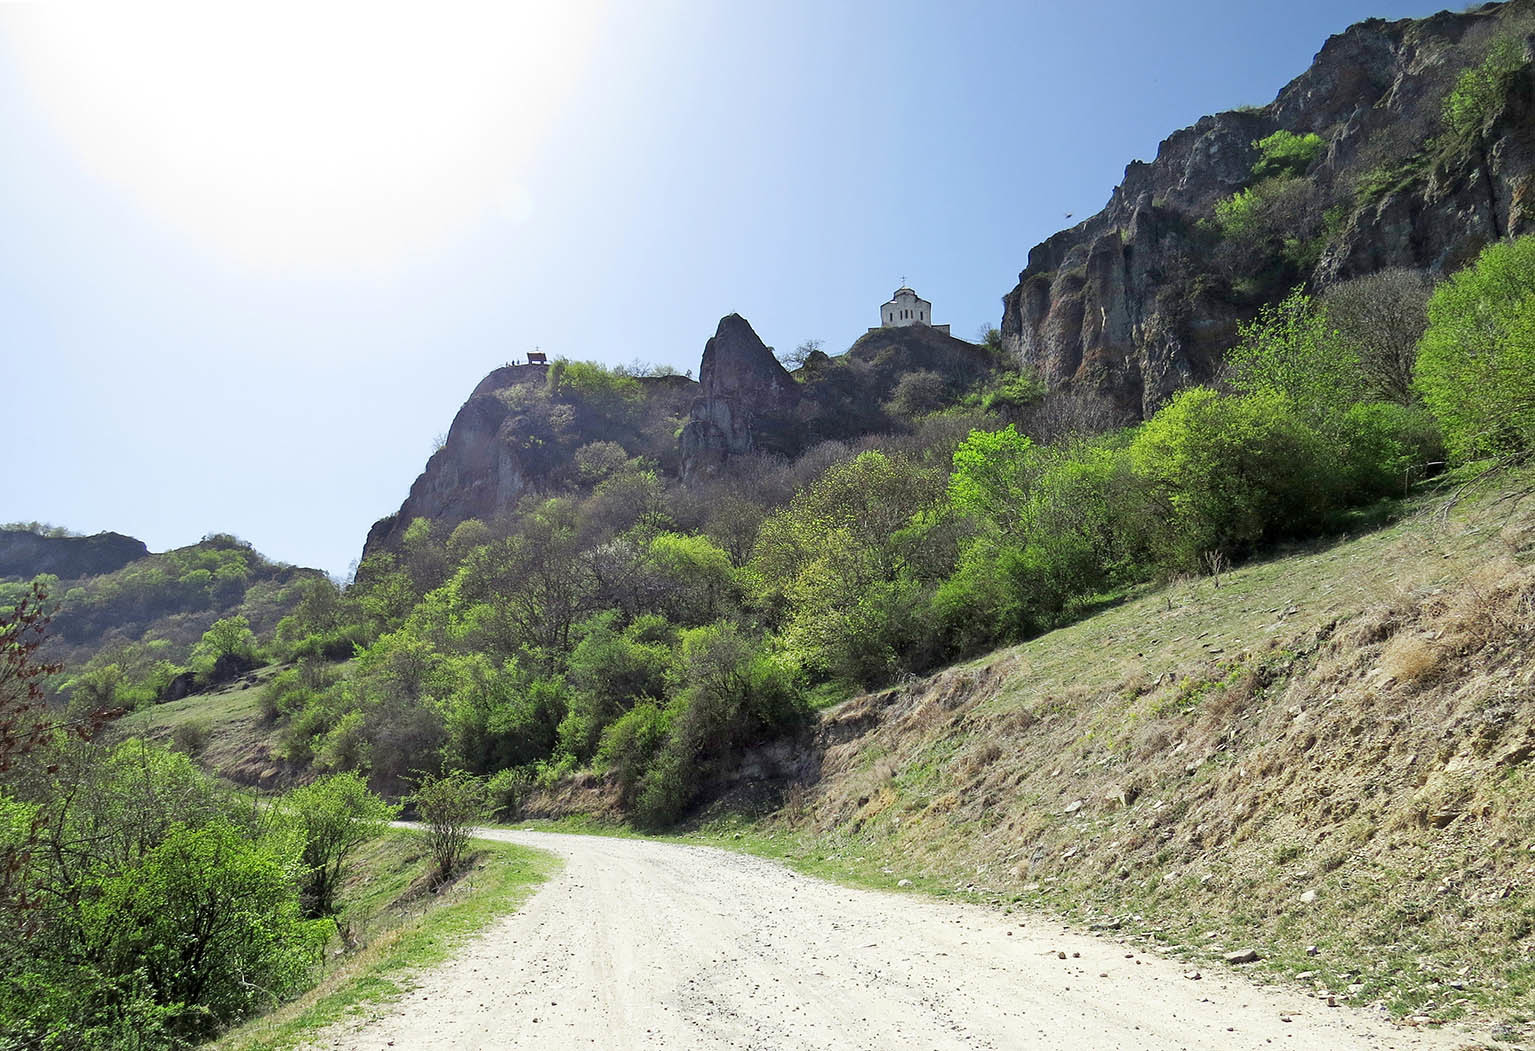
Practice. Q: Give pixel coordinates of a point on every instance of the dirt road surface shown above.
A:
(638, 944)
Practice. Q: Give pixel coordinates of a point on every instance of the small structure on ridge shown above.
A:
(907, 308)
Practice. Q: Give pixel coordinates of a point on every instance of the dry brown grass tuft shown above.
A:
(1412, 659)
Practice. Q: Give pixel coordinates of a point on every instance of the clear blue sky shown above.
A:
(252, 264)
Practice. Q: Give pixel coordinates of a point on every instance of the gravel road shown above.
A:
(637, 944)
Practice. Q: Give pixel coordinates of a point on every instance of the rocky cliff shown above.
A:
(522, 431)
(745, 402)
(26, 554)
(1145, 297)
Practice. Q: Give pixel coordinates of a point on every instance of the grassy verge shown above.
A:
(400, 926)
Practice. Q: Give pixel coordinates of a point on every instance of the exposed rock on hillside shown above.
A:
(27, 554)
(519, 432)
(744, 403)
(1142, 298)
(476, 473)
(749, 402)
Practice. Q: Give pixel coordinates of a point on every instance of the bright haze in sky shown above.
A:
(253, 259)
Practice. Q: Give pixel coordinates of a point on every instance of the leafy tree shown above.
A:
(1382, 317)
(1476, 364)
(466, 536)
(612, 671)
(730, 692)
(993, 471)
(335, 815)
(422, 556)
(1225, 474)
(208, 920)
(839, 547)
(630, 745)
(225, 648)
(163, 905)
(450, 806)
(533, 585)
(1291, 350)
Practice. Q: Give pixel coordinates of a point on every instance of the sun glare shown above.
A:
(299, 136)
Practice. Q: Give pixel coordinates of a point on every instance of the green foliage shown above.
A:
(158, 907)
(335, 815)
(206, 924)
(1384, 447)
(1376, 184)
(1230, 473)
(830, 562)
(1291, 350)
(450, 806)
(611, 671)
(1008, 393)
(1286, 153)
(630, 744)
(1051, 530)
(732, 691)
(506, 789)
(1270, 229)
(226, 648)
(993, 471)
(600, 391)
(1476, 363)
(1481, 92)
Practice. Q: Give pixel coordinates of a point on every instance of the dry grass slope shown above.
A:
(1329, 751)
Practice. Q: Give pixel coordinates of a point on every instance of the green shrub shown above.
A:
(1481, 92)
(506, 790)
(211, 923)
(1286, 153)
(731, 693)
(450, 807)
(1227, 473)
(1291, 350)
(159, 905)
(1384, 448)
(335, 815)
(1476, 362)
(630, 745)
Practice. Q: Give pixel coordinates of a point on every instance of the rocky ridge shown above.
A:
(745, 401)
(24, 553)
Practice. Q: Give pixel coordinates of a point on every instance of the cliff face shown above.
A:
(523, 429)
(26, 554)
(1143, 299)
(477, 472)
(745, 400)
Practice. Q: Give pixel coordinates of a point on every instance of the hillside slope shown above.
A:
(1330, 749)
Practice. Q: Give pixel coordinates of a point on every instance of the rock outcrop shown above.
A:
(26, 554)
(522, 430)
(477, 472)
(1135, 303)
(745, 403)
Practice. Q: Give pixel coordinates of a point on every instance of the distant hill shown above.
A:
(117, 605)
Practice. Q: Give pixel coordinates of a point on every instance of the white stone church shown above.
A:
(907, 308)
